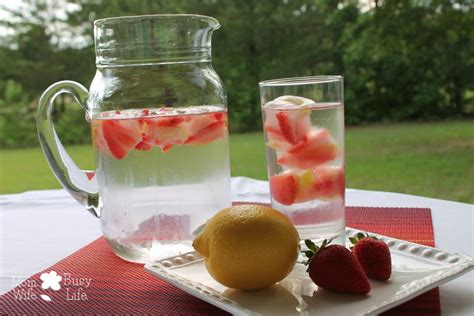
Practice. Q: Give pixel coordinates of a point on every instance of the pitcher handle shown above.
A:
(82, 185)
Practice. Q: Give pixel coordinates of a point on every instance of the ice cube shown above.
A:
(289, 102)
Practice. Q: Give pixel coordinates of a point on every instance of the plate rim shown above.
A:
(458, 264)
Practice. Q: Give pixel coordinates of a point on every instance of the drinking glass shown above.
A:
(158, 117)
(303, 121)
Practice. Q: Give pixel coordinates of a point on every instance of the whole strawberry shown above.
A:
(373, 255)
(335, 268)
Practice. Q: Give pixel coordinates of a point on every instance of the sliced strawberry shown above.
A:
(166, 148)
(148, 138)
(121, 136)
(286, 127)
(219, 116)
(208, 134)
(284, 188)
(143, 146)
(198, 122)
(299, 186)
(330, 182)
(160, 131)
(290, 126)
(317, 148)
(169, 121)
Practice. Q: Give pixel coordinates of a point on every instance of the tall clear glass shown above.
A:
(158, 116)
(303, 121)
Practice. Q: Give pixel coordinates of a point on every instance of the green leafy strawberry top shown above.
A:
(354, 240)
(313, 249)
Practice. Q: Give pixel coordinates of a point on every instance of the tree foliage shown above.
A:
(402, 60)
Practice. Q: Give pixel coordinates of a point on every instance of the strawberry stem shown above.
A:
(310, 244)
(313, 249)
(353, 240)
(359, 236)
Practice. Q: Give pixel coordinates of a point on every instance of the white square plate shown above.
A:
(416, 269)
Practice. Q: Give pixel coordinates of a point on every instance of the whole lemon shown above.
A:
(248, 247)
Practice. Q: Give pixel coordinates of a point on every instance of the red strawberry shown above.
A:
(330, 181)
(286, 127)
(335, 268)
(209, 133)
(284, 188)
(121, 136)
(316, 148)
(161, 131)
(373, 255)
(166, 148)
(169, 121)
(143, 146)
(289, 126)
(219, 116)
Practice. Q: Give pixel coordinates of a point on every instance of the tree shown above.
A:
(401, 60)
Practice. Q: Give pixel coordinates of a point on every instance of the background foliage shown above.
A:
(402, 60)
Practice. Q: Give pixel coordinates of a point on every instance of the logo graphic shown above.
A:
(72, 288)
(51, 280)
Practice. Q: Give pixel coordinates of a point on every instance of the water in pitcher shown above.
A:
(305, 150)
(164, 172)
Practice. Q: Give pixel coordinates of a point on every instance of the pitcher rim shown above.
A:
(132, 17)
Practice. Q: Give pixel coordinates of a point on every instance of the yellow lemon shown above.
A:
(248, 247)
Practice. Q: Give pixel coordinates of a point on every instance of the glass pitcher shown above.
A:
(158, 116)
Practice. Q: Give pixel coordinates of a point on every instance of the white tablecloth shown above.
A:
(39, 228)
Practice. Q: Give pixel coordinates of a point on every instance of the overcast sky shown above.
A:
(62, 33)
(11, 4)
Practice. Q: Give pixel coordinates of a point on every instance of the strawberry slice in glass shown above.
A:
(164, 131)
(287, 118)
(121, 136)
(299, 186)
(206, 128)
(316, 148)
(330, 182)
(293, 186)
(284, 188)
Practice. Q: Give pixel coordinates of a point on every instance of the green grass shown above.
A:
(429, 159)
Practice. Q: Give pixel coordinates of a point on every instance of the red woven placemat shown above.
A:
(119, 287)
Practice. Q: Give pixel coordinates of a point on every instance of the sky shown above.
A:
(62, 34)
(10, 4)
